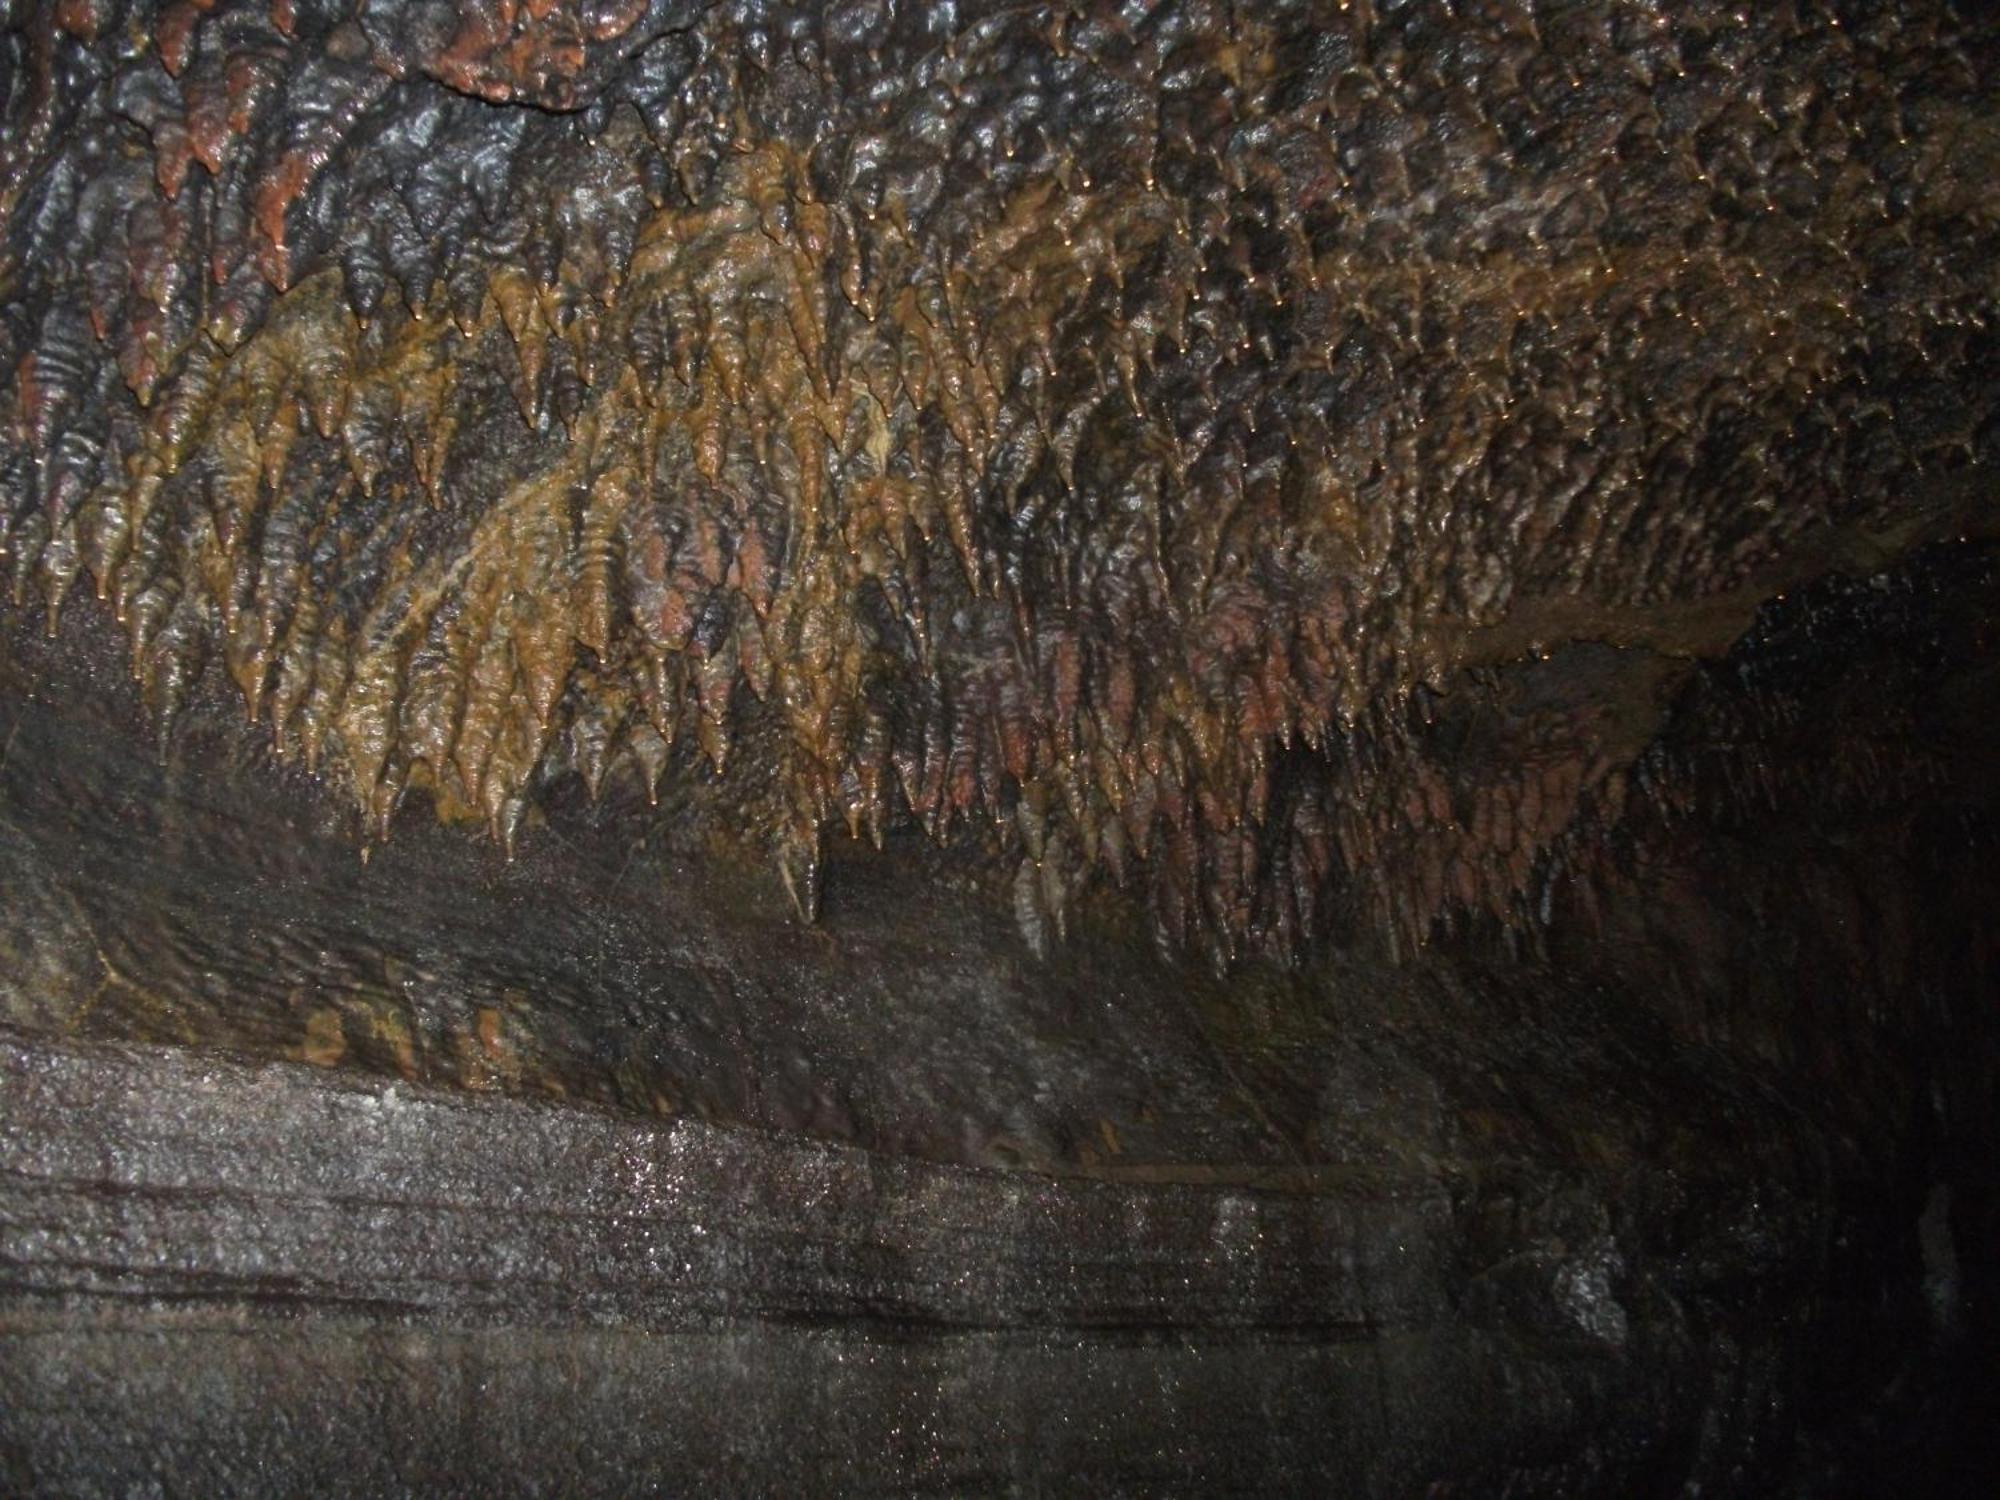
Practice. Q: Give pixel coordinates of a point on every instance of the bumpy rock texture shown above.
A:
(1405, 593)
(1087, 426)
(594, 1171)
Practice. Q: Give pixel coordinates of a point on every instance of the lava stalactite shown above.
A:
(1101, 427)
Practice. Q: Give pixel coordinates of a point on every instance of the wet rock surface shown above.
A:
(884, 1322)
(375, 1174)
(1143, 748)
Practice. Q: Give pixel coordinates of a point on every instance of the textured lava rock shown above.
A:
(523, 1270)
(1089, 431)
(324, 1173)
(1514, 479)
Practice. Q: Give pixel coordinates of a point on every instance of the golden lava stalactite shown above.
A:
(1093, 428)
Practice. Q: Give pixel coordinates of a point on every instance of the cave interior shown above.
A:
(957, 747)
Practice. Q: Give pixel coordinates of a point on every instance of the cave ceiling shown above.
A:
(1279, 460)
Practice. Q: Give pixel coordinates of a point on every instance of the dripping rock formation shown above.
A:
(1105, 747)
